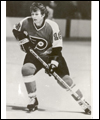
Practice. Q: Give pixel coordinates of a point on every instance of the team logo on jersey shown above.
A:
(39, 43)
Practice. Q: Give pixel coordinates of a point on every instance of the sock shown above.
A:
(77, 91)
(30, 85)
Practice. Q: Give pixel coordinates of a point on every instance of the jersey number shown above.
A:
(57, 36)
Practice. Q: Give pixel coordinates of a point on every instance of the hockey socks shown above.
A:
(30, 84)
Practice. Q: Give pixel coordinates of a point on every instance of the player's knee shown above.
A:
(28, 69)
(68, 80)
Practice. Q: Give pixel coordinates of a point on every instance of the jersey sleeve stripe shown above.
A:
(57, 43)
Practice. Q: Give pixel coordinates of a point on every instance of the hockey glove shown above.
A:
(52, 66)
(23, 40)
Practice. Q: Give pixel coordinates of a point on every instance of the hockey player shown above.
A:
(44, 37)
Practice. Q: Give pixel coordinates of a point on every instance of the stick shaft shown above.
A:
(82, 103)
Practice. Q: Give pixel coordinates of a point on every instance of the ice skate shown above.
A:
(33, 105)
(87, 111)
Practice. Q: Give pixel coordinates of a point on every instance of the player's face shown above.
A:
(37, 17)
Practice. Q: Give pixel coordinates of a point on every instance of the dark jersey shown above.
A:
(45, 38)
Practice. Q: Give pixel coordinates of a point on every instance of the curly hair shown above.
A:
(35, 6)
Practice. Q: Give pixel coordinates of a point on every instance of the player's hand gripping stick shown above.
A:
(85, 106)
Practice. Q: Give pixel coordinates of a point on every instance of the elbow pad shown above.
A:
(18, 34)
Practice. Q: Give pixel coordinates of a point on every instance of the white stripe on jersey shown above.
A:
(57, 43)
(23, 41)
(38, 28)
(56, 30)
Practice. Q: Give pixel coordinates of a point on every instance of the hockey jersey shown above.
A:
(45, 39)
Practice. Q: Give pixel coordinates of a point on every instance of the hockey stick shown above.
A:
(86, 107)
